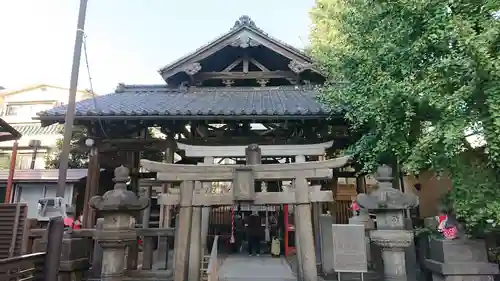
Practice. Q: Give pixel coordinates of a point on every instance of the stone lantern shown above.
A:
(117, 207)
(389, 204)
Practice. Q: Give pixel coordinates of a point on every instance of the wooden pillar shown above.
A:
(184, 224)
(169, 158)
(205, 212)
(296, 219)
(360, 184)
(163, 245)
(303, 214)
(332, 206)
(134, 160)
(195, 252)
(147, 251)
(91, 187)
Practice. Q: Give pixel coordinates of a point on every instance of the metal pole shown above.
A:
(33, 158)
(35, 144)
(70, 112)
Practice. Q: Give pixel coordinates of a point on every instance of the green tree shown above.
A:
(419, 76)
(79, 158)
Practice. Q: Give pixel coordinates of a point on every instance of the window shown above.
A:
(23, 160)
(13, 110)
(26, 109)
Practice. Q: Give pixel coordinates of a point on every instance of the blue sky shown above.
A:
(128, 40)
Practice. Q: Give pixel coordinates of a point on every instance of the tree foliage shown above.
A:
(77, 160)
(417, 77)
(80, 158)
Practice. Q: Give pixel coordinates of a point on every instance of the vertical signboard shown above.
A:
(349, 248)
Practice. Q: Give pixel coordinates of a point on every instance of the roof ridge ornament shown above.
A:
(245, 20)
(120, 88)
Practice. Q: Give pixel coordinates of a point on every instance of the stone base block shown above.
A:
(459, 260)
(470, 271)
(458, 250)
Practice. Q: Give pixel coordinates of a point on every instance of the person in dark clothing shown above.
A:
(254, 233)
(239, 233)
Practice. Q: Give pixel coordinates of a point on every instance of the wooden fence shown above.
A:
(14, 235)
(12, 225)
(26, 268)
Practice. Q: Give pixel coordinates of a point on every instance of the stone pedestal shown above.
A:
(392, 244)
(118, 207)
(390, 236)
(459, 260)
(74, 260)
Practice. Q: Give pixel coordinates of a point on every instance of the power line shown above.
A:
(94, 98)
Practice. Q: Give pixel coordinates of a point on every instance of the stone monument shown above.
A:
(117, 206)
(389, 204)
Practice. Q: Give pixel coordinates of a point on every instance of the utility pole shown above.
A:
(70, 112)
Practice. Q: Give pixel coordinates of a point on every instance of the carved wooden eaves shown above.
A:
(192, 69)
(299, 67)
(244, 41)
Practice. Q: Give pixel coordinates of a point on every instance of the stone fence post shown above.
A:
(118, 207)
(364, 219)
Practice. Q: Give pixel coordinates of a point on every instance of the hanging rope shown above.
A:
(232, 226)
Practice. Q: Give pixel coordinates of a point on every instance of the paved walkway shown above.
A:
(264, 268)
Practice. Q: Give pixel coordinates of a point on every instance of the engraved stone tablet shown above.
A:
(349, 248)
(243, 184)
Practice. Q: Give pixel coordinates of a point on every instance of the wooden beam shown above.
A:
(232, 65)
(242, 75)
(258, 64)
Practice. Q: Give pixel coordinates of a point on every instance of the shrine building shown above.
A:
(244, 87)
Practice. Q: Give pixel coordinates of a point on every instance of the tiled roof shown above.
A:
(38, 130)
(220, 102)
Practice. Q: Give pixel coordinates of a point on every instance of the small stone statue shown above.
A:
(447, 225)
(355, 206)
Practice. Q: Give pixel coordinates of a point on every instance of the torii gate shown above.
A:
(188, 252)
